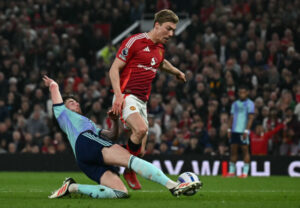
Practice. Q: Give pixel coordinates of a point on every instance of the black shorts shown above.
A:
(89, 156)
(237, 138)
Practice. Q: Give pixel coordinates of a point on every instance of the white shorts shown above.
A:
(132, 104)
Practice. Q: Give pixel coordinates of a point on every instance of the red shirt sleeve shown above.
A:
(269, 134)
(127, 49)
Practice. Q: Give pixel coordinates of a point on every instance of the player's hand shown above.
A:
(244, 136)
(287, 120)
(112, 116)
(118, 105)
(181, 76)
(48, 81)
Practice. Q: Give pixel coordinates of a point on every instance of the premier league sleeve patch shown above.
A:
(124, 53)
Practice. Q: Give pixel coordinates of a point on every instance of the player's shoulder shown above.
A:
(59, 105)
(136, 38)
(250, 101)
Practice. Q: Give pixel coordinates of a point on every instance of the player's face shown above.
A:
(73, 105)
(243, 94)
(165, 31)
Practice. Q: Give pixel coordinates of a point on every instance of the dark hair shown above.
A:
(67, 97)
(243, 87)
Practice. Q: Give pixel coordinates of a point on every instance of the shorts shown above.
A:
(88, 149)
(133, 104)
(237, 138)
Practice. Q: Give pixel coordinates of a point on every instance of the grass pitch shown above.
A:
(30, 189)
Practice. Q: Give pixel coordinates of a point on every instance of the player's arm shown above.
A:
(168, 67)
(113, 132)
(230, 121)
(249, 124)
(250, 109)
(114, 75)
(54, 90)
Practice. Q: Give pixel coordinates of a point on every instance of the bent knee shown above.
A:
(141, 132)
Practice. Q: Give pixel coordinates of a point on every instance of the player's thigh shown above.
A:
(112, 180)
(134, 113)
(116, 155)
(245, 149)
(136, 122)
(143, 111)
(234, 149)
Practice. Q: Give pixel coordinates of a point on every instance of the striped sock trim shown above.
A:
(132, 157)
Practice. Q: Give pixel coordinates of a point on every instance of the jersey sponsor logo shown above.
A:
(153, 61)
(124, 53)
(132, 108)
(147, 68)
(146, 49)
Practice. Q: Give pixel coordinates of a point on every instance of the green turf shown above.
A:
(28, 189)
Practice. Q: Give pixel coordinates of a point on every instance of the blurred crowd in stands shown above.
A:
(229, 42)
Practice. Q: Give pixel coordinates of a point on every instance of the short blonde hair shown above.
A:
(165, 15)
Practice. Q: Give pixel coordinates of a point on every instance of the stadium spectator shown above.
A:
(36, 125)
(154, 128)
(259, 139)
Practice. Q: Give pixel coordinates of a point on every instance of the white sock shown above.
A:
(171, 184)
(73, 188)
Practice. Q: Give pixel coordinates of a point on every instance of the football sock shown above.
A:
(97, 191)
(133, 148)
(150, 172)
(231, 167)
(246, 168)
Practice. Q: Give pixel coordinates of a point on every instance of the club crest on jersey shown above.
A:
(124, 53)
(160, 53)
(132, 108)
(153, 61)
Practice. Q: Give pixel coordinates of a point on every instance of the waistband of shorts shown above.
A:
(88, 131)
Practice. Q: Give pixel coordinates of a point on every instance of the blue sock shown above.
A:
(149, 171)
(231, 167)
(246, 168)
(99, 191)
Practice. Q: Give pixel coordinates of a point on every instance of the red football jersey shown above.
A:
(142, 58)
(259, 143)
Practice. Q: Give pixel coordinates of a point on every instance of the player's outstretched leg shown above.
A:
(149, 171)
(94, 191)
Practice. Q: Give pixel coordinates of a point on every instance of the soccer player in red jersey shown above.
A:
(131, 74)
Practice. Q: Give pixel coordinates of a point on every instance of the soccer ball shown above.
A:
(188, 177)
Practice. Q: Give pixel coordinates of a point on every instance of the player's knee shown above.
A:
(141, 132)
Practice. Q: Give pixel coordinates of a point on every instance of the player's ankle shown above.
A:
(73, 188)
(171, 184)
